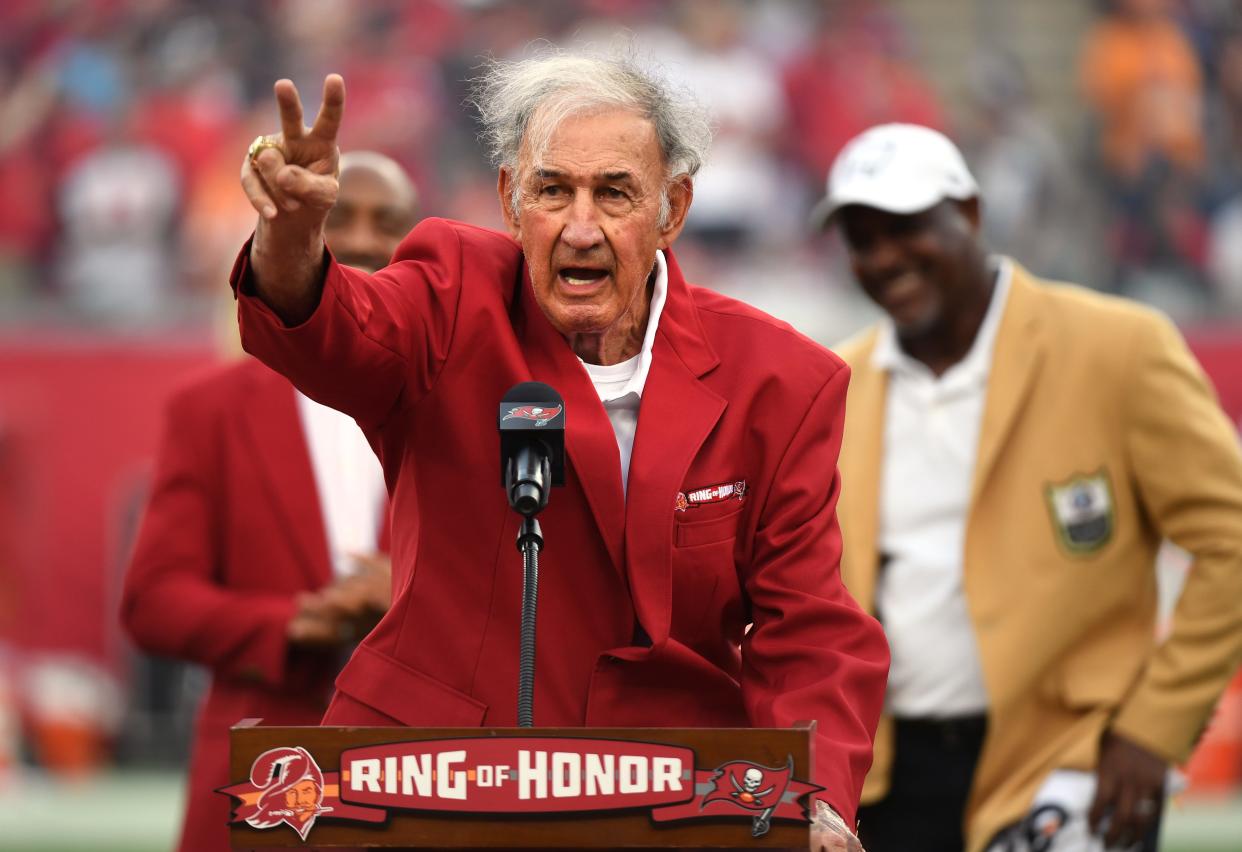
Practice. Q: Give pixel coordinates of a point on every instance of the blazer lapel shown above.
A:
(590, 443)
(862, 455)
(677, 414)
(277, 442)
(1016, 361)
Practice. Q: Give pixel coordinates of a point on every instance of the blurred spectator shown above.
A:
(119, 207)
(1142, 79)
(854, 74)
(1025, 178)
(269, 595)
(1224, 263)
(737, 195)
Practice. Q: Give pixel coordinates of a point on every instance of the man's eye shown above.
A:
(612, 193)
(552, 191)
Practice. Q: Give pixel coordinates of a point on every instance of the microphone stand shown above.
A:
(529, 542)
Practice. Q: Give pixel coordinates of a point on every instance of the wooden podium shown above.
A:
(519, 788)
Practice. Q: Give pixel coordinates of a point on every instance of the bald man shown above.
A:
(262, 550)
(374, 210)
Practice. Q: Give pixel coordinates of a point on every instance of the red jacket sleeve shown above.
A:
(812, 652)
(375, 342)
(174, 603)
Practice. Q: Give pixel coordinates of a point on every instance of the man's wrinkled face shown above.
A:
(588, 219)
(302, 799)
(370, 218)
(914, 266)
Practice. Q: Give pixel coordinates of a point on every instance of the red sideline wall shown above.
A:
(79, 420)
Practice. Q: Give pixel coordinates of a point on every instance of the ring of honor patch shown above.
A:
(1082, 511)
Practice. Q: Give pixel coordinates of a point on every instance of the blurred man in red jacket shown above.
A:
(261, 550)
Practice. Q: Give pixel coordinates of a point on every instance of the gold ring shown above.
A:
(261, 144)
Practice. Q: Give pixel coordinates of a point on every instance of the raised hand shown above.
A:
(291, 179)
(295, 171)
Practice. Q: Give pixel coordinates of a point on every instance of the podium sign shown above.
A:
(519, 788)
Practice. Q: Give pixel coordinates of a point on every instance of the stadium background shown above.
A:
(1104, 158)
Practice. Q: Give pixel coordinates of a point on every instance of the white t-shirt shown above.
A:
(620, 386)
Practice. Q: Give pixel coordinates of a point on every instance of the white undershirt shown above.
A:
(931, 438)
(620, 386)
(349, 479)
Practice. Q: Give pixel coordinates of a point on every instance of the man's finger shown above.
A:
(328, 122)
(1104, 796)
(307, 187)
(257, 192)
(290, 109)
(269, 164)
(1123, 826)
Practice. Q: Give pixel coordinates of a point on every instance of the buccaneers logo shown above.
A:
(756, 788)
(539, 414)
(290, 788)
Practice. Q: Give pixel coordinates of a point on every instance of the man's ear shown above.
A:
(506, 183)
(680, 194)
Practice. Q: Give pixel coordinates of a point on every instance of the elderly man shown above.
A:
(1015, 453)
(259, 555)
(670, 389)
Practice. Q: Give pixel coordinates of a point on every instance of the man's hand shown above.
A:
(374, 580)
(1129, 789)
(829, 833)
(292, 183)
(316, 623)
(367, 591)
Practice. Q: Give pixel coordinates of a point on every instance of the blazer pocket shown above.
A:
(692, 532)
(406, 695)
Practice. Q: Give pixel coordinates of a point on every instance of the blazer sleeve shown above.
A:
(1185, 460)
(173, 603)
(374, 342)
(812, 652)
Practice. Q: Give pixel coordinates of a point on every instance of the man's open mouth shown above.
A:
(581, 276)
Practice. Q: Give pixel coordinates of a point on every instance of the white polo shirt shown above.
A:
(931, 440)
(620, 386)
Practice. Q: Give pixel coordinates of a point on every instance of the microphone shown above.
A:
(532, 445)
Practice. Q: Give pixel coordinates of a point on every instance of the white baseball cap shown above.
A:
(897, 168)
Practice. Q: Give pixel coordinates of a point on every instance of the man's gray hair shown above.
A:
(523, 102)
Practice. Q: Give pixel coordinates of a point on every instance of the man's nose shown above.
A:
(582, 230)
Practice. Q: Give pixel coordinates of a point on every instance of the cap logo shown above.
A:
(870, 159)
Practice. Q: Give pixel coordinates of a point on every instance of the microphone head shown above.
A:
(535, 392)
(532, 412)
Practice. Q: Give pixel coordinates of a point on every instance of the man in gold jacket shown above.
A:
(1015, 452)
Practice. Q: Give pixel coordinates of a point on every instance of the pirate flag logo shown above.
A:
(540, 414)
(752, 787)
(290, 790)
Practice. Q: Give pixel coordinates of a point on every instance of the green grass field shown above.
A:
(140, 812)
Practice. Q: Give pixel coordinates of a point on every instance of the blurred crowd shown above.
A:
(122, 124)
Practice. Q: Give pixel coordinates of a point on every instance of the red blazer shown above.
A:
(643, 608)
(232, 532)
